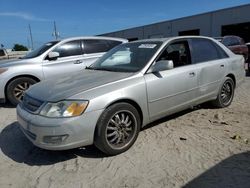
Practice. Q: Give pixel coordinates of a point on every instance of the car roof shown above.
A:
(93, 37)
(170, 38)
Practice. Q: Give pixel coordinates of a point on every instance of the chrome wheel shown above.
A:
(19, 90)
(16, 88)
(117, 128)
(226, 93)
(121, 129)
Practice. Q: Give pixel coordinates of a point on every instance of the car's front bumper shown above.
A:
(78, 131)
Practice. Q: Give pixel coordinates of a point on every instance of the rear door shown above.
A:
(211, 63)
(171, 90)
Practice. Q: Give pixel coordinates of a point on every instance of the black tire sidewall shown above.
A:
(11, 86)
(220, 103)
(100, 133)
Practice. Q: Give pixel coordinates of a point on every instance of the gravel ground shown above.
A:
(202, 147)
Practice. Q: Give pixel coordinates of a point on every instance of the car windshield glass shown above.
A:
(129, 57)
(40, 50)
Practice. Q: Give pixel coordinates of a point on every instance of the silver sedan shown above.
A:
(130, 86)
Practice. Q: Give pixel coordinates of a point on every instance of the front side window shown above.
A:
(204, 50)
(129, 57)
(71, 48)
(178, 52)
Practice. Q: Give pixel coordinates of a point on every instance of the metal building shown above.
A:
(229, 21)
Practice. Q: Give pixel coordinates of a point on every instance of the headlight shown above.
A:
(64, 109)
(2, 70)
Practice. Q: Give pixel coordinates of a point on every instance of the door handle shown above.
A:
(191, 74)
(221, 65)
(78, 62)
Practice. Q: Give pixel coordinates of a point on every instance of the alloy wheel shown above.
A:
(226, 93)
(121, 129)
(20, 89)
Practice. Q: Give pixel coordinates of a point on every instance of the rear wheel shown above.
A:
(226, 94)
(17, 87)
(117, 129)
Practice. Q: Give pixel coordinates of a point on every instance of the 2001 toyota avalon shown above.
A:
(130, 86)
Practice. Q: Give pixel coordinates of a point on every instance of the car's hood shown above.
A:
(64, 87)
(14, 62)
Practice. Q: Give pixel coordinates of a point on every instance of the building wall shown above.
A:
(229, 16)
(209, 24)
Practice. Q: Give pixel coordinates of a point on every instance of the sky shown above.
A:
(86, 18)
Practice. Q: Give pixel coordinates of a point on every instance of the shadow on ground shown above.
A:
(248, 74)
(16, 146)
(233, 172)
(6, 105)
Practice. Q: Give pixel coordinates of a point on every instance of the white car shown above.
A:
(52, 59)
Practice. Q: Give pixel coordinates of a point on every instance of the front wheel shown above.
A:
(17, 87)
(226, 93)
(117, 128)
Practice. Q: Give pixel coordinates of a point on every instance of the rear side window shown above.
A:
(71, 48)
(205, 50)
(98, 46)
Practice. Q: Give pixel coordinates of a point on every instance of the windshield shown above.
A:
(40, 50)
(129, 57)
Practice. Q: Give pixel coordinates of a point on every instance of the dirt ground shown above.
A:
(198, 148)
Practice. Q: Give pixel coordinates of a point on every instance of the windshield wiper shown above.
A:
(89, 67)
(99, 68)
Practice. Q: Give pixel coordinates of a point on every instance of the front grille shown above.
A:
(31, 104)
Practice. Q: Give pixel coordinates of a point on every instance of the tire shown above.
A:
(117, 129)
(226, 94)
(16, 88)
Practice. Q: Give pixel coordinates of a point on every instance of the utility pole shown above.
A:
(28, 42)
(55, 33)
(31, 38)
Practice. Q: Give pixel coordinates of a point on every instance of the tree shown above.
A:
(19, 47)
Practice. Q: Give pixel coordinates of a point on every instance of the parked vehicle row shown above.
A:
(50, 60)
(5, 54)
(130, 86)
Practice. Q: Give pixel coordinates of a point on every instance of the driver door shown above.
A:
(70, 60)
(171, 90)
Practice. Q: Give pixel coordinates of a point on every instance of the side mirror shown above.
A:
(53, 55)
(162, 65)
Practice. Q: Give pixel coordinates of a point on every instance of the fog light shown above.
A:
(55, 139)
